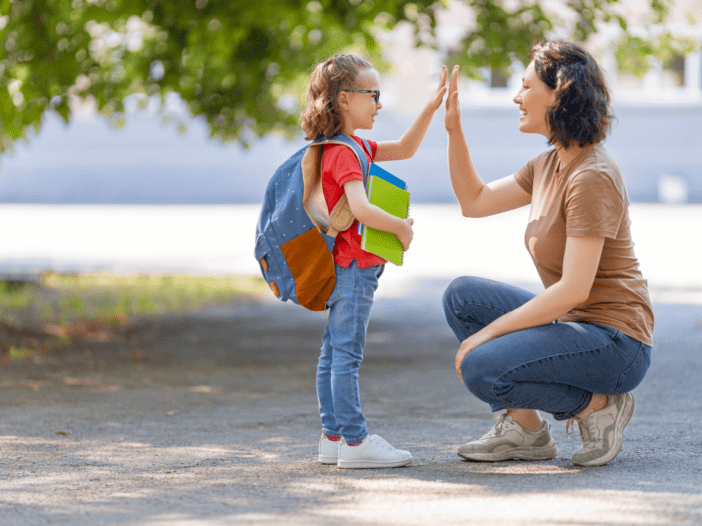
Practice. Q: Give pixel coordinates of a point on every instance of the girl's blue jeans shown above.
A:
(554, 368)
(342, 351)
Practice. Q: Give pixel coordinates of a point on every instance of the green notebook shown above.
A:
(395, 201)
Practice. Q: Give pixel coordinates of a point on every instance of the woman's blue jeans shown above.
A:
(342, 351)
(554, 368)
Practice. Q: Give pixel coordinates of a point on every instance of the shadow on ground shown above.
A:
(212, 419)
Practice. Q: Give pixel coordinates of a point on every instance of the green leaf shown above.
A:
(231, 62)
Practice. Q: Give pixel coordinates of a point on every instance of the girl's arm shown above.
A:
(375, 217)
(409, 143)
(580, 263)
(475, 197)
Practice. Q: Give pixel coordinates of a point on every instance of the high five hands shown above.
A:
(452, 122)
(435, 101)
(452, 117)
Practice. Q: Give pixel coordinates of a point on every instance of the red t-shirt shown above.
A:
(340, 165)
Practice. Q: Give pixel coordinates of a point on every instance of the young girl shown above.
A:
(343, 96)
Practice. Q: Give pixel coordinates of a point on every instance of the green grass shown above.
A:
(13, 296)
(66, 298)
(19, 353)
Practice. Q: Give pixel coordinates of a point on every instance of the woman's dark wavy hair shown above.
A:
(322, 115)
(582, 112)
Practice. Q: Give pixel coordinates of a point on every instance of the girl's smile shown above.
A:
(358, 102)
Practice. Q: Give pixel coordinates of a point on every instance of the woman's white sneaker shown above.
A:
(508, 440)
(602, 431)
(372, 452)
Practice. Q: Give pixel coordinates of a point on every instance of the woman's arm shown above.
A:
(475, 197)
(580, 263)
(409, 143)
(375, 217)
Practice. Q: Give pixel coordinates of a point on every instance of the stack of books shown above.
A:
(390, 193)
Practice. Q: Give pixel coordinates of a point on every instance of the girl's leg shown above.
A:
(348, 322)
(324, 390)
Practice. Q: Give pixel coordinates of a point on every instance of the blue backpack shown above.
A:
(296, 232)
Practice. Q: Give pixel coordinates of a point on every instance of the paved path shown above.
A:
(219, 424)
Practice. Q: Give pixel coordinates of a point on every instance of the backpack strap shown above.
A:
(340, 217)
(370, 154)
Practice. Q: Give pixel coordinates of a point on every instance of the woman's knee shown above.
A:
(458, 287)
(476, 375)
(456, 293)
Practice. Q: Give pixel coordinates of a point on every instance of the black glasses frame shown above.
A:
(375, 92)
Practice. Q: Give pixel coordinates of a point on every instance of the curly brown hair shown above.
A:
(582, 112)
(322, 117)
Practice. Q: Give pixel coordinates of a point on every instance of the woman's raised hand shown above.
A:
(435, 101)
(452, 117)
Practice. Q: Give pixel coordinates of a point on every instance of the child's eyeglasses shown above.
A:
(375, 92)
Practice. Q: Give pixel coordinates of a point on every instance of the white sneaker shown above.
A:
(602, 431)
(372, 452)
(507, 440)
(328, 450)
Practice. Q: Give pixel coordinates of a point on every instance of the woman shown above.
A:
(578, 348)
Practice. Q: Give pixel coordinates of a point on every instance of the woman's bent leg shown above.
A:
(471, 303)
(555, 368)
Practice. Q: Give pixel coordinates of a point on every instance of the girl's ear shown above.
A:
(343, 100)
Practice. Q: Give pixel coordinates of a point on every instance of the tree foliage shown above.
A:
(229, 60)
(241, 65)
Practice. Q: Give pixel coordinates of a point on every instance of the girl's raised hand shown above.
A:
(435, 101)
(452, 117)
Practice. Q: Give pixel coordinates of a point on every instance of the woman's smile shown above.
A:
(534, 97)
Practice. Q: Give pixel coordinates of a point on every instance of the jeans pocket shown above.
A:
(368, 279)
(634, 374)
(338, 287)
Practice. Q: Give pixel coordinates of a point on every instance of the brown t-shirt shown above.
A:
(588, 198)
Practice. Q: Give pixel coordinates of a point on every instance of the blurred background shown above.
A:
(136, 140)
(139, 136)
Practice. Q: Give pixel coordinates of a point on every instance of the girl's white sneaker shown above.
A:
(372, 452)
(328, 450)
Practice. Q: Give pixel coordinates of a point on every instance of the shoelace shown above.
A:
(497, 428)
(588, 440)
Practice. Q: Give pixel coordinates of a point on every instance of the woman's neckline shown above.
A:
(560, 167)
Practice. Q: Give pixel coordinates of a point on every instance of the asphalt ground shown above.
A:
(217, 424)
